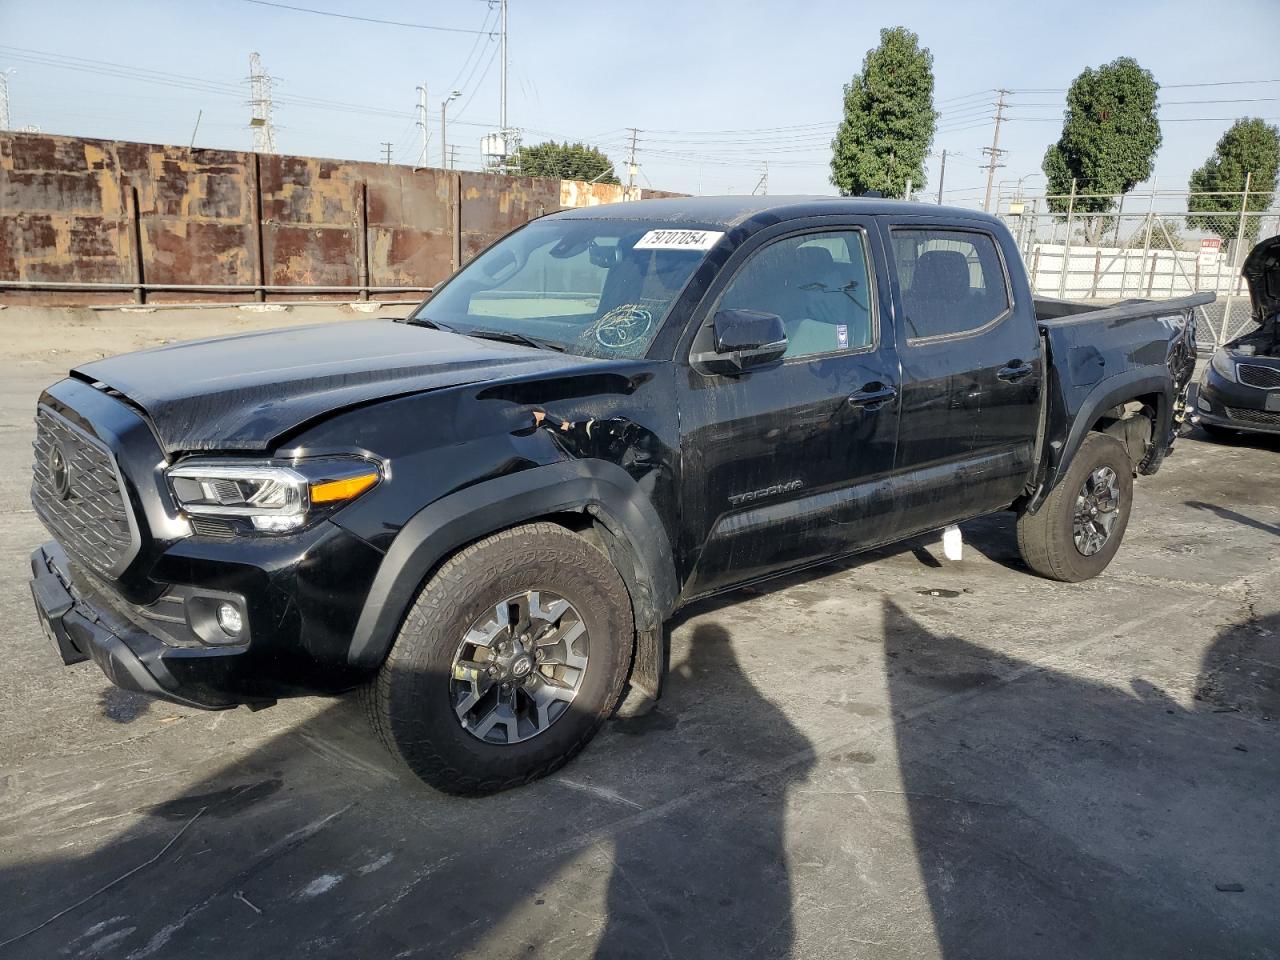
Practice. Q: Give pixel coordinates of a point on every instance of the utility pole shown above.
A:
(422, 123)
(444, 106)
(632, 169)
(942, 176)
(386, 151)
(762, 186)
(453, 158)
(502, 117)
(994, 150)
(264, 131)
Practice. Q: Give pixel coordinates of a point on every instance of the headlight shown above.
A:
(271, 498)
(1224, 365)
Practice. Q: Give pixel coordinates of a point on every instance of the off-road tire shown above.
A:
(408, 702)
(1045, 538)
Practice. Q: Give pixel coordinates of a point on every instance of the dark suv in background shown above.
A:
(1240, 388)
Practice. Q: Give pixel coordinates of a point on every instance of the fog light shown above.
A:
(230, 619)
(1204, 404)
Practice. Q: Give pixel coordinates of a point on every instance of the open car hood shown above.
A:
(1262, 272)
(245, 392)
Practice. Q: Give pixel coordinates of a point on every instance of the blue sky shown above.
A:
(716, 88)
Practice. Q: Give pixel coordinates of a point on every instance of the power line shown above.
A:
(479, 83)
(1162, 119)
(1163, 86)
(968, 96)
(198, 84)
(485, 31)
(351, 16)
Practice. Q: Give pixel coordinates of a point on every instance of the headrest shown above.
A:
(814, 261)
(941, 274)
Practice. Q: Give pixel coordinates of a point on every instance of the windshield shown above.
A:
(598, 288)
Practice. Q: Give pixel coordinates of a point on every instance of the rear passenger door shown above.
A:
(971, 373)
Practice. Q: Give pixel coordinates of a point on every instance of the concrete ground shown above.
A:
(895, 757)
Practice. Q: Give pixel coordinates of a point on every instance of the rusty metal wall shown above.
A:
(102, 211)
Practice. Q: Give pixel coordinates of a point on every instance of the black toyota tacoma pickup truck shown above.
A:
(481, 515)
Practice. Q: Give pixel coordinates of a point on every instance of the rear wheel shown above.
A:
(1078, 528)
(512, 656)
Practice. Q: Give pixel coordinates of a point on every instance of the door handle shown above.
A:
(1015, 371)
(873, 395)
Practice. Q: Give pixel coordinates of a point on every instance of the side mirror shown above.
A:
(743, 340)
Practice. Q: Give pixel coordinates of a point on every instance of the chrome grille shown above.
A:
(1256, 375)
(1263, 417)
(76, 491)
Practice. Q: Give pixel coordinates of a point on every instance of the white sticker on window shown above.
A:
(679, 240)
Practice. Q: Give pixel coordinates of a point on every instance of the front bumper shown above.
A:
(1235, 406)
(301, 598)
(81, 629)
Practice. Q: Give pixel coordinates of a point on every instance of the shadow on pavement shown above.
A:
(1234, 516)
(666, 839)
(1055, 816)
(1048, 815)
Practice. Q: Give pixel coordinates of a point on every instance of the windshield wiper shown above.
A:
(430, 324)
(510, 336)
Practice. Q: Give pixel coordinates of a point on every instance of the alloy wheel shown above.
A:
(1097, 510)
(519, 667)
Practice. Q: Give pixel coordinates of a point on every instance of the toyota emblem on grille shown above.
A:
(60, 472)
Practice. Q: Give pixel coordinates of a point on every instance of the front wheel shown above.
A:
(513, 654)
(1078, 528)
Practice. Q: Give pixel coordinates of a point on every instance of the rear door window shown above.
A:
(953, 282)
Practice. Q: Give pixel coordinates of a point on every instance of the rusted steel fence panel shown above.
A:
(78, 211)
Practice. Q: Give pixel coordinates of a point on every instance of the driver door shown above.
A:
(790, 464)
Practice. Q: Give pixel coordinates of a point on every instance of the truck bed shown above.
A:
(1052, 311)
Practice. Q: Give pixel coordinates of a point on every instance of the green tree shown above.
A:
(1110, 136)
(564, 161)
(1249, 148)
(888, 120)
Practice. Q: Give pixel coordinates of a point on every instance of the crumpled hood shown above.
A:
(1262, 271)
(244, 392)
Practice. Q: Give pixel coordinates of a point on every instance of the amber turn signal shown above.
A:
(331, 491)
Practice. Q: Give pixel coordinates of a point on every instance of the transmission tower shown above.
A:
(264, 131)
(4, 100)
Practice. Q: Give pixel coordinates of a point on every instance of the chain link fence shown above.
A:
(1149, 245)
